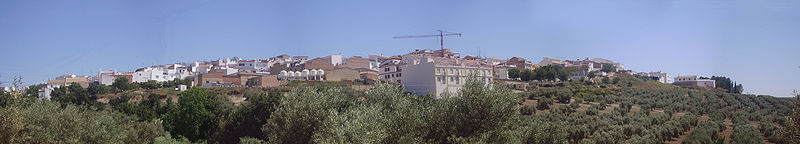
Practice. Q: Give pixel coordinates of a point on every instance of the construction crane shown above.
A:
(441, 36)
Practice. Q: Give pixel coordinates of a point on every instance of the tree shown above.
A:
(251, 82)
(152, 84)
(791, 132)
(97, 89)
(33, 90)
(74, 94)
(153, 102)
(607, 68)
(142, 112)
(544, 103)
(727, 84)
(49, 122)
(514, 73)
(247, 119)
(122, 84)
(5, 99)
(526, 75)
(299, 117)
(17, 84)
(192, 117)
(549, 72)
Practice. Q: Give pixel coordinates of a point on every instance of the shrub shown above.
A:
(527, 110)
(48, 122)
(544, 103)
(192, 117)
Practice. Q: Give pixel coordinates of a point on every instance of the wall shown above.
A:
(342, 74)
(419, 79)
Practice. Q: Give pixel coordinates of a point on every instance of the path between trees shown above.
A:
(728, 130)
(685, 134)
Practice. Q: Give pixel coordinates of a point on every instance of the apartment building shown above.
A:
(436, 75)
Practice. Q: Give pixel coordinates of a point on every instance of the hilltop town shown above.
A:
(423, 72)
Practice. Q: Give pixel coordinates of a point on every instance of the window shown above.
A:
(241, 64)
(399, 74)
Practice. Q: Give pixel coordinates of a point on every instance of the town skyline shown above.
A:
(756, 46)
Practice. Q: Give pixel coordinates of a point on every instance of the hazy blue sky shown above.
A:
(756, 42)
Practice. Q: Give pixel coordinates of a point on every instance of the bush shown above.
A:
(48, 122)
(527, 110)
(544, 103)
(192, 117)
(574, 105)
(745, 134)
(564, 98)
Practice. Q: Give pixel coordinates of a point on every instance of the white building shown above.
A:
(334, 59)
(161, 73)
(501, 71)
(693, 81)
(106, 77)
(305, 74)
(617, 66)
(63, 80)
(436, 75)
(661, 77)
(375, 62)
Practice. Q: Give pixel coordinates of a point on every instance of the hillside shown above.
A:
(621, 109)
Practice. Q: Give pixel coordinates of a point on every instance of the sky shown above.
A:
(754, 42)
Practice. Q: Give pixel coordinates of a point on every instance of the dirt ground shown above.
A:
(728, 130)
(685, 134)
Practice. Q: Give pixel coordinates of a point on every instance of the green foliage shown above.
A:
(550, 72)
(122, 84)
(192, 117)
(152, 84)
(5, 99)
(302, 112)
(727, 84)
(48, 122)
(564, 98)
(477, 110)
(514, 73)
(169, 139)
(527, 110)
(33, 90)
(791, 131)
(745, 134)
(365, 124)
(96, 89)
(607, 68)
(143, 113)
(75, 94)
(544, 103)
(247, 119)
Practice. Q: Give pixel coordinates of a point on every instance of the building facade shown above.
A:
(435, 75)
(693, 81)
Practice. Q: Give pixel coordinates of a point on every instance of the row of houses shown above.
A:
(423, 72)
